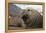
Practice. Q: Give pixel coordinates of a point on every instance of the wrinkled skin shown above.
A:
(28, 20)
(34, 20)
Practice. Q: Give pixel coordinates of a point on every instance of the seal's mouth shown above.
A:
(25, 17)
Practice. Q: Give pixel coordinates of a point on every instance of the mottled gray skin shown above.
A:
(34, 20)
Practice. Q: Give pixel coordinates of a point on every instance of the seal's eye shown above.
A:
(28, 9)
